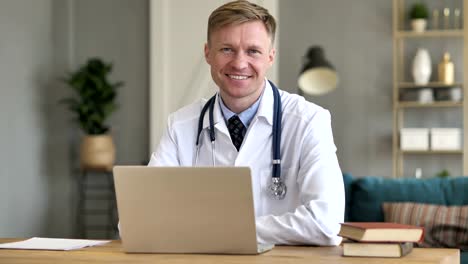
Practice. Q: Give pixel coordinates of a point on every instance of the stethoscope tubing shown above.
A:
(276, 140)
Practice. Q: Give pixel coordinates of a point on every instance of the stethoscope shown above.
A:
(277, 189)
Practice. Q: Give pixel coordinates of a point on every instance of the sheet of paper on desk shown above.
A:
(40, 243)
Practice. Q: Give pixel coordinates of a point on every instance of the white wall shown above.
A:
(179, 72)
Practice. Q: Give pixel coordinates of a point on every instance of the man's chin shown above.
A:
(233, 93)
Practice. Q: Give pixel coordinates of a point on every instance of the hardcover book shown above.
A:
(389, 250)
(381, 232)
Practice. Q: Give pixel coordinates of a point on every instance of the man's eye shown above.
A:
(226, 50)
(254, 52)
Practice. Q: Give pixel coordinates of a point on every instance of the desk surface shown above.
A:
(112, 253)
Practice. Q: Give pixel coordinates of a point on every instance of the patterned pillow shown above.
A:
(444, 226)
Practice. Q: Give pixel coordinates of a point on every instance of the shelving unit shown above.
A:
(456, 152)
(401, 35)
(409, 85)
(434, 104)
(429, 34)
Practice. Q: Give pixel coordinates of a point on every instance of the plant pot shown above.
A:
(97, 152)
(418, 25)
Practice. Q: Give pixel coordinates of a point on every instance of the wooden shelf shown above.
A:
(429, 105)
(404, 112)
(410, 85)
(430, 152)
(429, 34)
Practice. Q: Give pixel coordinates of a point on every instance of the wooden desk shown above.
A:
(112, 253)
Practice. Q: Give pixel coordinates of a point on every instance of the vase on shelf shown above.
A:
(446, 70)
(426, 96)
(456, 94)
(422, 67)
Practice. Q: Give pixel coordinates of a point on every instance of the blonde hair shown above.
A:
(238, 12)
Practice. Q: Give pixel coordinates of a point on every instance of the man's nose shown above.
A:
(240, 61)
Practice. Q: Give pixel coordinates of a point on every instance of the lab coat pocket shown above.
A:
(270, 205)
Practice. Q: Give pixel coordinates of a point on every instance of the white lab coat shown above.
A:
(314, 204)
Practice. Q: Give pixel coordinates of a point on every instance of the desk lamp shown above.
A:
(318, 76)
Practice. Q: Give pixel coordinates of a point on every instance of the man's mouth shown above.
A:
(238, 77)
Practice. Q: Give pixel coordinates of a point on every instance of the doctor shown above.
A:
(240, 50)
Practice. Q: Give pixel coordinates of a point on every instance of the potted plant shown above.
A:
(443, 174)
(418, 15)
(93, 103)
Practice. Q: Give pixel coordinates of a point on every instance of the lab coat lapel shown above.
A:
(265, 109)
(259, 132)
(218, 119)
(225, 153)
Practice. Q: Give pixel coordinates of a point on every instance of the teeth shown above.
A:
(238, 77)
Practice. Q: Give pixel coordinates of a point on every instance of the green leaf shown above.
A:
(419, 11)
(95, 97)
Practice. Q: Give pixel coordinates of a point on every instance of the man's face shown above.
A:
(239, 56)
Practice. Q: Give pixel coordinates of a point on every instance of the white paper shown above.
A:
(40, 243)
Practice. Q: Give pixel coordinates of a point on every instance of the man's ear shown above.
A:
(271, 56)
(207, 52)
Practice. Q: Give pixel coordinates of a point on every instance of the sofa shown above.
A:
(367, 197)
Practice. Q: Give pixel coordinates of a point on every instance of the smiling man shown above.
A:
(239, 56)
(301, 202)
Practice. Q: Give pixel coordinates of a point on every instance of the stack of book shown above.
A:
(379, 239)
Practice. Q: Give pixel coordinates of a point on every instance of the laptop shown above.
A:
(186, 210)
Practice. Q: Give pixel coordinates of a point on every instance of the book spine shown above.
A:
(421, 239)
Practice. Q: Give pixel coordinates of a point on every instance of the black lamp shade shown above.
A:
(318, 76)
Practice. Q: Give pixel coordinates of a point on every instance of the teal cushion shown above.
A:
(464, 257)
(368, 194)
(347, 180)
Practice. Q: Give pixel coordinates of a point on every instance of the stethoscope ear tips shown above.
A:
(277, 189)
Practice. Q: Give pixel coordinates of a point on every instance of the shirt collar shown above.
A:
(245, 116)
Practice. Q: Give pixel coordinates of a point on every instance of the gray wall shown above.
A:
(25, 71)
(357, 38)
(41, 41)
(118, 30)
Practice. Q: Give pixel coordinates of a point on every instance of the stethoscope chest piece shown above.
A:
(277, 189)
